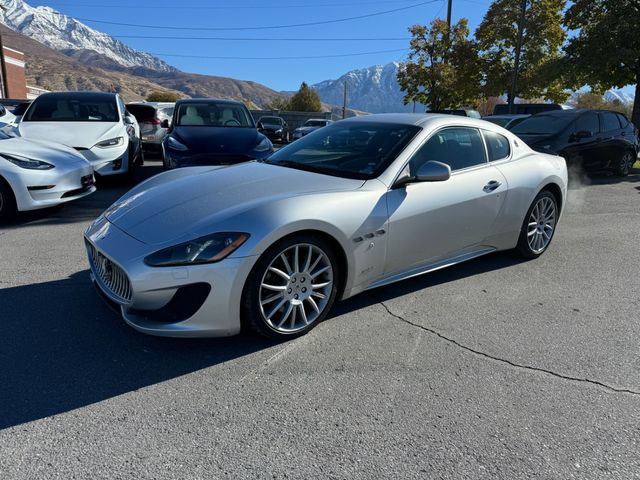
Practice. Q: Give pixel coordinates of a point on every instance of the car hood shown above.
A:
(73, 134)
(49, 152)
(218, 140)
(190, 202)
(306, 129)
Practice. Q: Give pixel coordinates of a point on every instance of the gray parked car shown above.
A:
(154, 119)
(359, 204)
(309, 126)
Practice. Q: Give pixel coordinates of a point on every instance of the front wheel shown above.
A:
(291, 288)
(538, 226)
(625, 163)
(7, 201)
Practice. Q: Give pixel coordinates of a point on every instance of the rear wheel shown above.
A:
(7, 201)
(291, 288)
(538, 226)
(625, 163)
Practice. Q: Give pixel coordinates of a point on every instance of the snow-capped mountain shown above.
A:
(66, 34)
(621, 95)
(374, 89)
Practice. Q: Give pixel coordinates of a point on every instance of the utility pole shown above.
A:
(344, 101)
(3, 66)
(516, 62)
(449, 14)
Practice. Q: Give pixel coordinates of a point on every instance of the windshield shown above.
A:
(81, 108)
(542, 125)
(315, 123)
(212, 114)
(347, 149)
(271, 120)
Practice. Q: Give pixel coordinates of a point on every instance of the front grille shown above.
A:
(110, 276)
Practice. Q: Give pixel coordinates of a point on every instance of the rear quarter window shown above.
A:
(609, 122)
(497, 145)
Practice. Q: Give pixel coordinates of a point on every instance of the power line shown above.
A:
(232, 7)
(248, 39)
(279, 58)
(270, 27)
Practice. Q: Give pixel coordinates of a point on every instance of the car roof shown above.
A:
(209, 100)
(77, 94)
(574, 112)
(423, 120)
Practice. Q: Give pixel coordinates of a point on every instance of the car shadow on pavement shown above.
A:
(62, 348)
(86, 209)
(484, 264)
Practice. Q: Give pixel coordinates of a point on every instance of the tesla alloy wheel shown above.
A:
(539, 225)
(291, 288)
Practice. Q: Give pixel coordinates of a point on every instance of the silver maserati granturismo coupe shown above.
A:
(271, 244)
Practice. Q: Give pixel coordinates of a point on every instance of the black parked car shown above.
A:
(590, 139)
(275, 128)
(207, 131)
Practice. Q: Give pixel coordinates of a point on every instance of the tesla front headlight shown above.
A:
(176, 145)
(208, 249)
(112, 142)
(29, 163)
(263, 146)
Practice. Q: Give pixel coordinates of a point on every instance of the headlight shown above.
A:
(263, 146)
(176, 145)
(112, 142)
(209, 249)
(24, 162)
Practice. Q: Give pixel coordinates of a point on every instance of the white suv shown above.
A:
(96, 124)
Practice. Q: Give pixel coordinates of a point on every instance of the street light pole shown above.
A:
(449, 14)
(516, 62)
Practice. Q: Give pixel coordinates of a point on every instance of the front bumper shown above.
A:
(175, 159)
(156, 299)
(35, 189)
(107, 161)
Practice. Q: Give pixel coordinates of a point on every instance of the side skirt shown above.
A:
(431, 267)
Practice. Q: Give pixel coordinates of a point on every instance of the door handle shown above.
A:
(491, 186)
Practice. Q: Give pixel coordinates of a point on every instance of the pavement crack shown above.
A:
(508, 362)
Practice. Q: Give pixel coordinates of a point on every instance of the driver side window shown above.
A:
(458, 147)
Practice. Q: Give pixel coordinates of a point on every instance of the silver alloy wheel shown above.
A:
(542, 222)
(295, 288)
(626, 162)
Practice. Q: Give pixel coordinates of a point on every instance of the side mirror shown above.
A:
(128, 120)
(260, 126)
(583, 134)
(430, 171)
(433, 171)
(164, 123)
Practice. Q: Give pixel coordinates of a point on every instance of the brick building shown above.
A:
(17, 83)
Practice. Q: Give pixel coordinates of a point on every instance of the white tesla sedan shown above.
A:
(95, 124)
(358, 204)
(39, 174)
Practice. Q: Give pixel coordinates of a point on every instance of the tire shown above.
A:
(538, 226)
(7, 201)
(276, 300)
(627, 159)
(132, 164)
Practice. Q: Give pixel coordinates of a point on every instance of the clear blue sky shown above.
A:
(189, 15)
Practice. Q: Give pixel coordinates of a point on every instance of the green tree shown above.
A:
(278, 104)
(305, 100)
(442, 69)
(541, 60)
(605, 52)
(163, 96)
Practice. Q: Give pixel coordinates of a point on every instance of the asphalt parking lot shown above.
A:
(497, 368)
